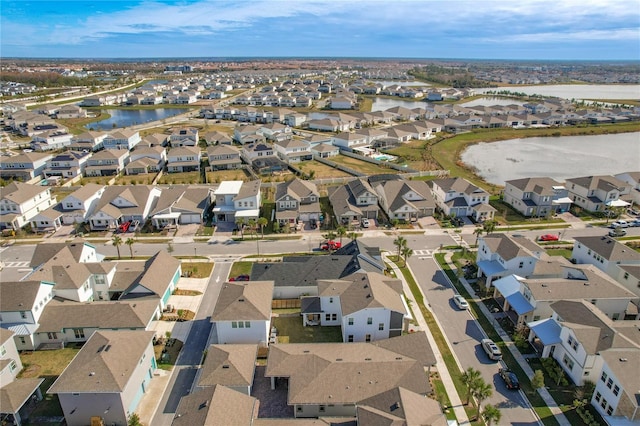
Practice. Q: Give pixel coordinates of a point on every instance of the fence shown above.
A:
(285, 304)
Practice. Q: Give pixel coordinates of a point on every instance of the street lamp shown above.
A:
(258, 245)
(195, 252)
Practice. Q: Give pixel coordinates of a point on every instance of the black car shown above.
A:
(510, 378)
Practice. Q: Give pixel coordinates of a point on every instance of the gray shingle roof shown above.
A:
(215, 406)
(250, 300)
(609, 248)
(229, 365)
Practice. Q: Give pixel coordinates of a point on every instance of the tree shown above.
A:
(341, 232)
(353, 236)
(478, 233)
(240, 223)
(406, 252)
(134, 420)
(481, 391)
(262, 222)
(491, 414)
(253, 226)
(489, 226)
(117, 242)
(130, 242)
(469, 378)
(537, 381)
(400, 242)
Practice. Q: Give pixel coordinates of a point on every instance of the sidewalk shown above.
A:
(544, 393)
(454, 398)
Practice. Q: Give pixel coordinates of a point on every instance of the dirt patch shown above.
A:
(31, 371)
(166, 351)
(179, 292)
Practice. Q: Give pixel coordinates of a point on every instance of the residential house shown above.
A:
(223, 157)
(297, 200)
(25, 167)
(91, 141)
(459, 197)
(10, 363)
(108, 162)
(232, 366)
(341, 102)
(180, 206)
(536, 197)
(345, 374)
(366, 305)
(203, 407)
(187, 136)
(121, 139)
(82, 251)
(325, 150)
(237, 199)
(353, 201)
(241, 132)
(107, 378)
(262, 158)
(349, 141)
(293, 150)
(67, 164)
(184, 159)
(275, 132)
(146, 159)
(120, 204)
(243, 312)
(155, 139)
(500, 255)
(217, 138)
(615, 396)
(404, 199)
(632, 179)
(597, 193)
(71, 111)
(77, 206)
(402, 406)
(21, 202)
(50, 140)
(16, 399)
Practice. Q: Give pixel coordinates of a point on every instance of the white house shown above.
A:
(121, 139)
(180, 206)
(21, 202)
(67, 164)
(90, 140)
(536, 197)
(293, 150)
(119, 204)
(459, 197)
(25, 166)
(77, 206)
(632, 179)
(616, 393)
(107, 378)
(597, 193)
(187, 136)
(237, 199)
(10, 363)
(349, 141)
(184, 159)
(229, 365)
(243, 312)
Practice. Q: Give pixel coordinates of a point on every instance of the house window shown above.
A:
(327, 317)
(616, 390)
(331, 300)
(234, 324)
(350, 321)
(568, 362)
(598, 396)
(247, 324)
(3, 350)
(350, 338)
(12, 366)
(603, 377)
(609, 382)
(299, 408)
(369, 320)
(381, 326)
(603, 404)
(23, 315)
(22, 341)
(79, 333)
(367, 337)
(240, 324)
(322, 408)
(609, 410)
(52, 336)
(334, 317)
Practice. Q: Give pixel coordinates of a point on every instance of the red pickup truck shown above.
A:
(330, 245)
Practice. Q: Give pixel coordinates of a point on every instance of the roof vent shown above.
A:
(240, 300)
(586, 283)
(368, 295)
(623, 360)
(367, 359)
(305, 352)
(93, 373)
(106, 349)
(398, 358)
(204, 405)
(225, 366)
(395, 406)
(338, 359)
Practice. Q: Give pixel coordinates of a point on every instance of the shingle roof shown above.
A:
(538, 185)
(105, 363)
(296, 188)
(159, 271)
(19, 192)
(215, 406)
(399, 406)
(46, 251)
(18, 295)
(249, 300)
(13, 395)
(624, 365)
(609, 248)
(229, 365)
(248, 189)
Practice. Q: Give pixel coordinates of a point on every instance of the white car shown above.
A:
(620, 224)
(492, 350)
(365, 223)
(460, 302)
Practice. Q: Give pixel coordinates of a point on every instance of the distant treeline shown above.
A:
(448, 76)
(45, 79)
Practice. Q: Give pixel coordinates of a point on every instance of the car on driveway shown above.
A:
(634, 223)
(460, 302)
(510, 378)
(365, 223)
(549, 237)
(491, 349)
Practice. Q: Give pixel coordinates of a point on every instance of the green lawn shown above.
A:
(46, 363)
(197, 269)
(240, 268)
(361, 166)
(180, 178)
(291, 330)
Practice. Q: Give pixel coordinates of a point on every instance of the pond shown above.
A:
(576, 91)
(492, 100)
(381, 104)
(402, 83)
(126, 118)
(559, 158)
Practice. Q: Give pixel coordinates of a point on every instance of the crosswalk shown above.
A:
(16, 264)
(423, 254)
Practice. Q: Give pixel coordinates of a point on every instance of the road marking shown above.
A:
(16, 264)
(426, 253)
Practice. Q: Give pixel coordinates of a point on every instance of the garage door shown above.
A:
(189, 218)
(304, 217)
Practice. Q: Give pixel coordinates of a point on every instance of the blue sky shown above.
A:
(482, 29)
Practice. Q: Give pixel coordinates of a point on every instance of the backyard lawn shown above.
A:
(361, 166)
(136, 179)
(222, 175)
(320, 170)
(180, 178)
(291, 330)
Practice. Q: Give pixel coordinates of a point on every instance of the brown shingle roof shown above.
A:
(215, 406)
(249, 300)
(229, 365)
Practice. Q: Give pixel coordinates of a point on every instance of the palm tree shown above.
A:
(478, 233)
(400, 242)
(240, 224)
(252, 226)
(130, 242)
(353, 236)
(491, 414)
(117, 242)
(341, 232)
(262, 222)
(489, 226)
(406, 252)
(481, 391)
(469, 378)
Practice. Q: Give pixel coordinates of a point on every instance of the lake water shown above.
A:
(402, 83)
(381, 104)
(577, 91)
(556, 157)
(125, 118)
(490, 101)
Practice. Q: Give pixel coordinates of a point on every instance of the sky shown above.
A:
(474, 29)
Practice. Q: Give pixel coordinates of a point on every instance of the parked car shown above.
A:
(634, 223)
(460, 302)
(330, 245)
(619, 224)
(617, 232)
(365, 223)
(510, 378)
(634, 212)
(491, 349)
(124, 227)
(549, 237)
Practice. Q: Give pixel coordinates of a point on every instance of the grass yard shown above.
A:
(291, 330)
(180, 178)
(100, 180)
(320, 170)
(221, 175)
(361, 166)
(136, 179)
(240, 268)
(47, 363)
(197, 269)
(416, 154)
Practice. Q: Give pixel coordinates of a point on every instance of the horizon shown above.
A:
(482, 30)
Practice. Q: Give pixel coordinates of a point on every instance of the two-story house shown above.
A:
(121, 139)
(119, 204)
(71, 111)
(67, 164)
(293, 150)
(108, 162)
(26, 167)
(349, 141)
(77, 206)
(459, 197)
(404, 199)
(536, 197)
(354, 201)
(237, 199)
(180, 205)
(21, 202)
(616, 393)
(597, 193)
(50, 140)
(184, 159)
(90, 140)
(223, 157)
(632, 179)
(187, 136)
(297, 200)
